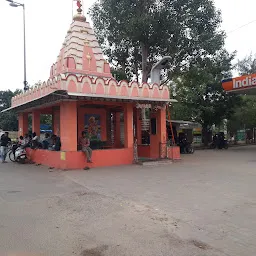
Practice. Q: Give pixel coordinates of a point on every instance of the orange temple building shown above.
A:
(81, 94)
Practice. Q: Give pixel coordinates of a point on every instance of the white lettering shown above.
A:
(234, 84)
(238, 84)
(248, 81)
(245, 82)
(143, 106)
(254, 81)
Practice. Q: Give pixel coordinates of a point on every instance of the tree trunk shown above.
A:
(123, 67)
(205, 135)
(136, 71)
(144, 53)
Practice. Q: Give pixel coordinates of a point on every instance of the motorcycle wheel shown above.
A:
(212, 146)
(226, 146)
(21, 160)
(191, 150)
(12, 156)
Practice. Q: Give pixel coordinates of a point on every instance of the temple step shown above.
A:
(155, 162)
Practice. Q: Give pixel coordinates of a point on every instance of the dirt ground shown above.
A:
(202, 206)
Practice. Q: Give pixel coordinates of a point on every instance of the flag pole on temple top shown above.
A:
(79, 4)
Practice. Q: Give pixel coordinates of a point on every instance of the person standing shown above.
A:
(5, 140)
(84, 143)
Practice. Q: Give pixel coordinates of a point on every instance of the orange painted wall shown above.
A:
(23, 124)
(173, 153)
(82, 111)
(160, 136)
(77, 160)
(128, 126)
(36, 122)
(56, 121)
(68, 125)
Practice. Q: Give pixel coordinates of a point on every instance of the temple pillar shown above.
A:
(56, 121)
(128, 126)
(23, 124)
(117, 130)
(68, 126)
(138, 126)
(108, 125)
(36, 122)
(159, 136)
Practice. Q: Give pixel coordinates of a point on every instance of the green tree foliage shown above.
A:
(46, 119)
(200, 93)
(245, 115)
(247, 65)
(136, 33)
(8, 120)
(119, 74)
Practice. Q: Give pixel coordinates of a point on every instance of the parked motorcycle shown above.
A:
(185, 146)
(219, 142)
(18, 154)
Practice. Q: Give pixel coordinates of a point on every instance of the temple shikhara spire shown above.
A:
(81, 68)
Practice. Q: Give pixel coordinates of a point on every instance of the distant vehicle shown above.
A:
(219, 141)
(45, 128)
(45, 131)
(185, 146)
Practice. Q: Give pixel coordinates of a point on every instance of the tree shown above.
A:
(136, 33)
(119, 74)
(8, 120)
(200, 92)
(244, 116)
(247, 65)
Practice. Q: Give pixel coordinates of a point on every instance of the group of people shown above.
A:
(33, 141)
(49, 142)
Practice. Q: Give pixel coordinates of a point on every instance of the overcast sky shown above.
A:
(49, 20)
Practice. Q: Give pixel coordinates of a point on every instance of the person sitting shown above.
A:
(47, 141)
(84, 143)
(35, 141)
(27, 139)
(21, 141)
(56, 143)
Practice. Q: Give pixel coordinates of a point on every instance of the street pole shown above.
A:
(16, 4)
(25, 52)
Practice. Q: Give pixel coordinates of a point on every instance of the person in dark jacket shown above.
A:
(5, 140)
(56, 143)
(47, 141)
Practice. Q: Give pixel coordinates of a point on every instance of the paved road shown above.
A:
(203, 206)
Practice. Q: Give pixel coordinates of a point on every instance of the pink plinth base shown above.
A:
(173, 153)
(77, 160)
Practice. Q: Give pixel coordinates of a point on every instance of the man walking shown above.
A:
(5, 140)
(85, 145)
